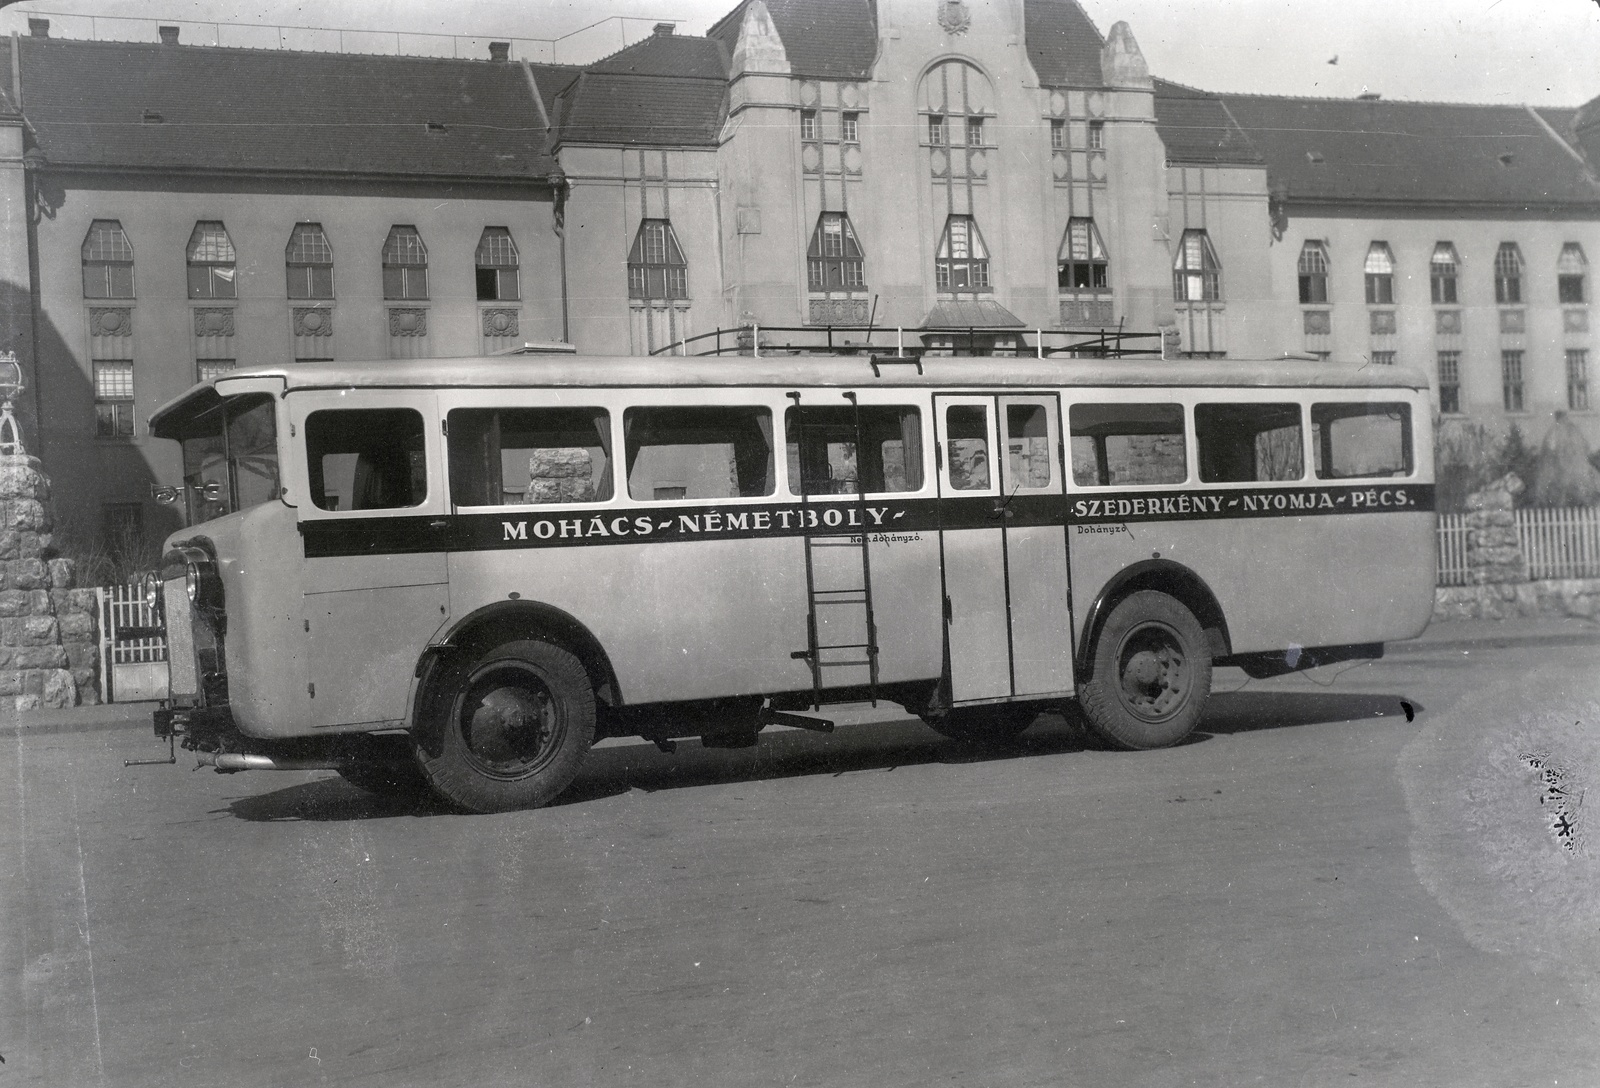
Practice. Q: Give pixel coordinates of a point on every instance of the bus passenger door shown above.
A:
(373, 527)
(977, 632)
(1033, 522)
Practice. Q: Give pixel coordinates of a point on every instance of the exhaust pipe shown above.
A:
(234, 762)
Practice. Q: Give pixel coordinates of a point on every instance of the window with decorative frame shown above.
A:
(1196, 272)
(1511, 380)
(1571, 267)
(1578, 379)
(1058, 135)
(497, 273)
(938, 129)
(833, 259)
(1081, 263)
(1313, 272)
(1449, 382)
(1097, 135)
(1508, 273)
(212, 262)
(962, 263)
(850, 127)
(308, 262)
(107, 261)
(656, 266)
(975, 132)
(113, 399)
(1379, 270)
(808, 125)
(1443, 267)
(405, 265)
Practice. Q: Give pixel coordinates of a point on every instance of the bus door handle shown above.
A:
(439, 523)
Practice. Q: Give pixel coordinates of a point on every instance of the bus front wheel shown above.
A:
(512, 730)
(1150, 676)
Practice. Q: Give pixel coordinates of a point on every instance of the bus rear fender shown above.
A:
(508, 621)
(1173, 579)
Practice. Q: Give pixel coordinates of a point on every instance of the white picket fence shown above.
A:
(1557, 542)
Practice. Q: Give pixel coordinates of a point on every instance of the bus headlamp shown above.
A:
(192, 576)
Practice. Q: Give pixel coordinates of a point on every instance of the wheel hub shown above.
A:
(508, 726)
(1152, 673)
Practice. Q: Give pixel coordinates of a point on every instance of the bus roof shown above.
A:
(855, 371)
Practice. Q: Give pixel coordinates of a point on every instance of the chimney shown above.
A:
(664, 30)
(39, 28)
(500, 51)
(169, 34)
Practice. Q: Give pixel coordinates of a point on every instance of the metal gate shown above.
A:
(133, 664)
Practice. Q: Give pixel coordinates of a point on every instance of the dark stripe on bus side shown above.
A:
(535, 528)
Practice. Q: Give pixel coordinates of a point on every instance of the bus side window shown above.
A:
(366, 458)
(1127, 444)
(502, 456)
(698, 453)
(891, 461)
(1028, 446)
(1242, 443)
(1353, 440)
(966, 428)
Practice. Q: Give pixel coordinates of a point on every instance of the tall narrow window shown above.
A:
(938, 130)
(1578, 380)
(1379, 271)
(963, 260)
(405, 264)
(656, 268)
(308, 262)
(808, 124)
(1570, 270)
(974, 131)
(833, 260)
(1058, 135)
(1449, 382)
(1097, 135)
(850, 128)
(1081, 265)
(1508, 273)
(113, 400)
(1511, 380)
(1442, 268)
(107, 261)
(1196, 273)
(497, 266)
(211, 262)
(1313, 270)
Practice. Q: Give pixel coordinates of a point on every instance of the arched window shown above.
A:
(1081, 263)
(956, 101)
(963, 261)
(1571, 267)
(211, 261)
(498, 279)
(405, 264)
(1508, 273)
(656, 268)
(1379, 269)
(833, 260)
(1442, 269)
(107, 261)
(1196, 273)
(308, 262)
(1313, 269)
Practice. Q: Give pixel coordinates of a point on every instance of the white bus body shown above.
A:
(462, 572)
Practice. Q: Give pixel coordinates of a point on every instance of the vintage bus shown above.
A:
(459, 574)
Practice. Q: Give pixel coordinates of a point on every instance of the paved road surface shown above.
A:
(1316, 892)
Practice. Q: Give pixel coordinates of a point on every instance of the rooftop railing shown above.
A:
(757, 340)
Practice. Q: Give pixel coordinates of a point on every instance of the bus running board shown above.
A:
(798, 721)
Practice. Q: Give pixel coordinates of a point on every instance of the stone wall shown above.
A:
(49, 653)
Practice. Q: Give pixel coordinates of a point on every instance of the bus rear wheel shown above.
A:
(1151, 674)
(512, 730)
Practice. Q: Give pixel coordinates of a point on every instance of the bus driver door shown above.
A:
(1003, 527)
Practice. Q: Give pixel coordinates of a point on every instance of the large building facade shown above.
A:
(976, 172)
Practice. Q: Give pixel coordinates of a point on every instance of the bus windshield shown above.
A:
(230, 458)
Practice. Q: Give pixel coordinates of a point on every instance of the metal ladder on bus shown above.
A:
(834, 599)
